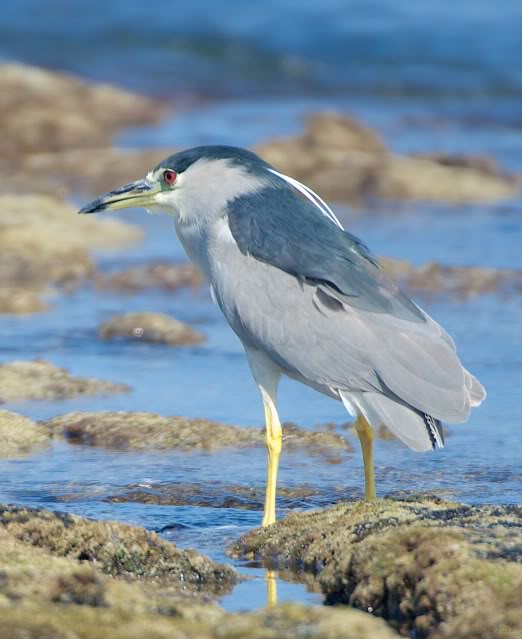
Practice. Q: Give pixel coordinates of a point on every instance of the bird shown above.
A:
(307, 299)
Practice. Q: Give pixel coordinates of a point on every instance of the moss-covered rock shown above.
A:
(19, 435)
(149, 430)
(43, 244)
(462, 282)
(114, 549)
(33, 119)
(156, 328)
(81, 170)
(39, 379)
(56, 568)
(21, 301)
(439, 569)
(282, 622)
(345, 162)
(65, 577)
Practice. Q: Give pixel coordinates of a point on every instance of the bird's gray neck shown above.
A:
(206, 241)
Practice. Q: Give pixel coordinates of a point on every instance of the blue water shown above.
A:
(431, 76)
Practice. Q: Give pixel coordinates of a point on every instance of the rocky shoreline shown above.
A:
(424, 567)
(428, 567)
(65, 576)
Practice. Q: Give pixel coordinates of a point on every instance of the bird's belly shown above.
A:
(260, 303)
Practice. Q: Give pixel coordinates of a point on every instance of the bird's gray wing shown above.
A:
(279, 228)
(314, 300)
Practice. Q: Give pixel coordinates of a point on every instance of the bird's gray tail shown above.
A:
(417, 430)
(477, 392)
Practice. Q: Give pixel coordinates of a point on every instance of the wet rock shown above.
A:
(345, 162)
(150, 431)
(287, 621)
(34, 380)
(82, 170)
(50, 224)
(161, 275)
(290, 621)
(44, 243)
(463, 282)
(44, 110)
(429, 567)
(156, 328)
(20, 435)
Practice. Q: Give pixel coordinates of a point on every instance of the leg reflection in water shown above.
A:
(271, 588)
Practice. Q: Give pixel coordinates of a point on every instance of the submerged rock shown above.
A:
(19, 435)
(345, 162)
(162, 275)
(217, 495)
(429, 567)
(156, 328)
(39, 379)
(148, 431)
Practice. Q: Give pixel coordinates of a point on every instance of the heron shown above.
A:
(307, 299)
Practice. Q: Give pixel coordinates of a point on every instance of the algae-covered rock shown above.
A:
(115, 549)
(463, 282)
(156, 328)
(21, 301)
(42, 380)
(19, 435)
(435, 568)
(148, 431)
(64, 576)
(44, 243)
(84, 170)
(345, 161)
(56, 568)
(282, 622)
(43, 110)
(162, 275)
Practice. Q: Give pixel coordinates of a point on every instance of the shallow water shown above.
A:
(480, 464)
(452, 98)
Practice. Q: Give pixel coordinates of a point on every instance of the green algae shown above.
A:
(61, 577)
(139, 431)
(435, 568)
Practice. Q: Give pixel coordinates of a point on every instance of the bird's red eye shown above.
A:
(170, 177)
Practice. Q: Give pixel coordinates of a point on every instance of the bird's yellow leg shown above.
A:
(365, 433)
(274, 443)
(271, 588)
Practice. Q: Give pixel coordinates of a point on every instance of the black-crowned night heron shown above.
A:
(307, 300)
